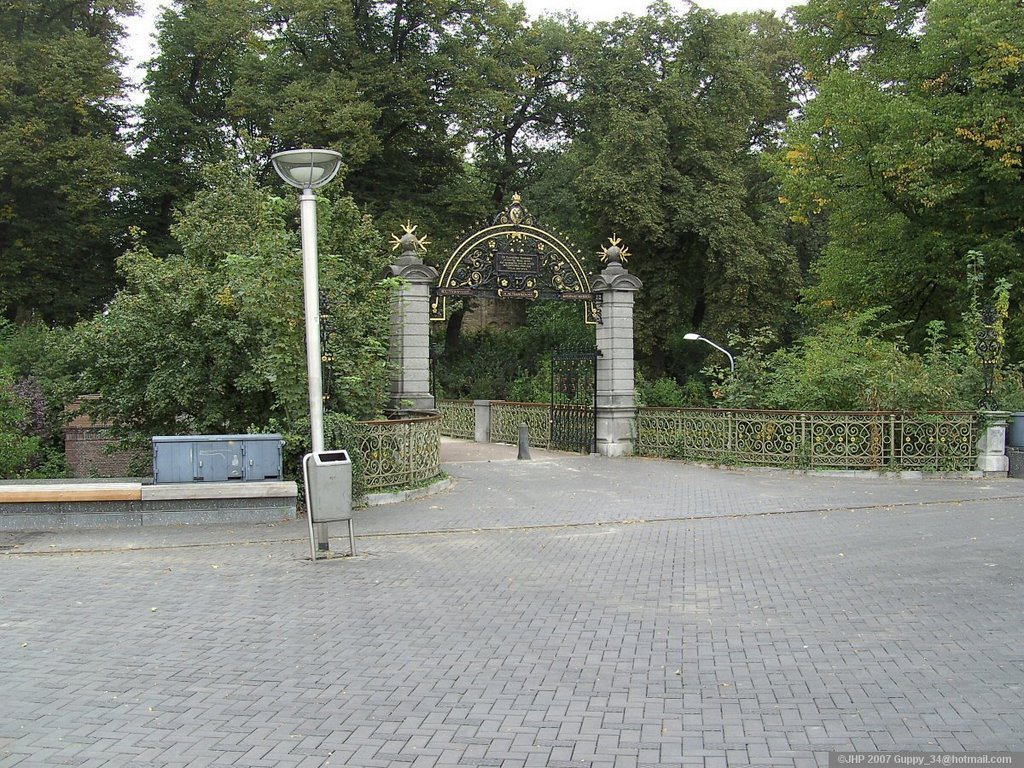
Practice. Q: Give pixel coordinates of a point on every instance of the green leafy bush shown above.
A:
(853, 363)
(212, 340)
(27, 445)
(666, 392)
(18, 450)
(512, 364)
(32, 397)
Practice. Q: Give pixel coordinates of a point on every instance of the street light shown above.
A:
(310, 169)
(698, 337)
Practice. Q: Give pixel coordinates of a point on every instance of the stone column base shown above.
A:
(992, 458)
(413, 402)
(482, 421)
(616, 429)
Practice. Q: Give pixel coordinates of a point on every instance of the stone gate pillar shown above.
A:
(409, 352)
(616, 408)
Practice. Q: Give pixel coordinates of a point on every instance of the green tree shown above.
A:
(396, 87)
(527, 107)
(212, 340)
(912, 147)
(186, 123)
(61, 157)
(675, 114)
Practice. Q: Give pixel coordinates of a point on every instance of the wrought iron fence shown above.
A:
(506, 418)
(458, 418)
(815, 440)
(397, 453)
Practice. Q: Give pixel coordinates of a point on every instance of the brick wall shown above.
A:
(86, 447)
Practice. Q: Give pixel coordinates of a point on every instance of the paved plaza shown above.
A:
(568, 611)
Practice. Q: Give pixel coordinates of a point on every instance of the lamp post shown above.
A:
(698, 337)
(310, 169)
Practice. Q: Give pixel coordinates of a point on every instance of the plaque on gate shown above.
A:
(454, 291)
(576, 295)
(513, 257)
(517, 264)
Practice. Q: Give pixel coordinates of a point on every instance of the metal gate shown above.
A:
(574, 399)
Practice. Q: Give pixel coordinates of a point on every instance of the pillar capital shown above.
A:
(615, 277)
(409, 266)
(415, 272)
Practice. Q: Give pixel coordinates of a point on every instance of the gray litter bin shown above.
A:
(1015, 431)
(328, 476)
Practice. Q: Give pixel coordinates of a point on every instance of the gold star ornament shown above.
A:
(614, 252)
(408, 240)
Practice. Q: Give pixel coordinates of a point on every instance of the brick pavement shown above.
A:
(572, 489)
(752, 619)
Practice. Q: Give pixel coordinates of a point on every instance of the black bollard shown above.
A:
(524, 441)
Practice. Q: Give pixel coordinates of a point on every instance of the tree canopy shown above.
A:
(676, 113)
(62, 157)
(771, 176)
(912, 150)
(210, 340)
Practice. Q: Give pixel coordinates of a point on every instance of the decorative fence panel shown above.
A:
(458, 418)
(506, 418)
(812, 440)
(400, 452)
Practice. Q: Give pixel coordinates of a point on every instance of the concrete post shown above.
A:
(992, 458)
(482, 421)
(410, 330)
(524, 442)
(616, 407)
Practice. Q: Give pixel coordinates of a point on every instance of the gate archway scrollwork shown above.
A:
(514, 258)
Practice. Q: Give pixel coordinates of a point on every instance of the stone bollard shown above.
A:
(524, 441)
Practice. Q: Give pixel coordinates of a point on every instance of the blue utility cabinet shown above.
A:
(217, 458)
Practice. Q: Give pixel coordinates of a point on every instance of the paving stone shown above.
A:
(736, 619)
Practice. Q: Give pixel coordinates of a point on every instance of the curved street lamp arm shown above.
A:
(723, 350)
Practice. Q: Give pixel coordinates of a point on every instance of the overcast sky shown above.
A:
(140, 29)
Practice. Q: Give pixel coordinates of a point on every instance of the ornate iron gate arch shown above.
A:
(520, 259)
(513, 257)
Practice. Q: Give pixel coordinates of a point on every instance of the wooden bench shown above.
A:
(42, 493)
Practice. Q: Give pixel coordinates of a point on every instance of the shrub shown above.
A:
(24, 451)
(666, 392)
(854, 364)
(212, 340)
(512, 364)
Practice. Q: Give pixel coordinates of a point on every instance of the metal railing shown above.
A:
(812, 440)
(458, 418)
(506, 418)
(398, 452)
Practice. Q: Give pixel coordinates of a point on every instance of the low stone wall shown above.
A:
(54, 506)
(89, 454)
